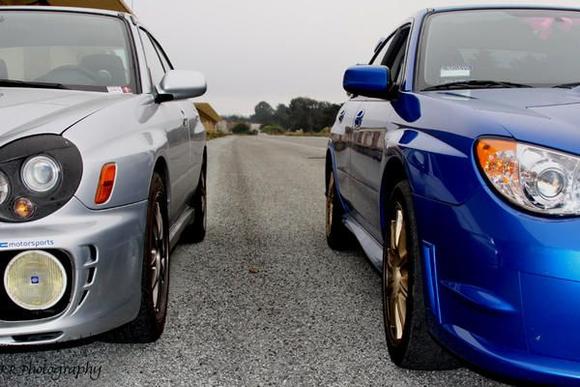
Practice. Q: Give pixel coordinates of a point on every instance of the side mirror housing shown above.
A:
(180, 84)
(368, 81)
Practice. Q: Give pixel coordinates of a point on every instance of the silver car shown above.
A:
(102, 170)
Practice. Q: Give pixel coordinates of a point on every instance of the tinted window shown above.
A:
(379, 56)
(396, 56)
(153, 61)
(534, 47)
(164, 60)
(77, 50)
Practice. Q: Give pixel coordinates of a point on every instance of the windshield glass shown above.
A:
(540, 48)
(79, 51)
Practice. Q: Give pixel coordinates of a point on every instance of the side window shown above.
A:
(153, 61)
(380, 55)
(164, 60)
(395, 56)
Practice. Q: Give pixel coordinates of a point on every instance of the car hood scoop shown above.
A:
(26, 112)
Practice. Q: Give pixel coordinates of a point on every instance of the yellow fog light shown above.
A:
(35, 280)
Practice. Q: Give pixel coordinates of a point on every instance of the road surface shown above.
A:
(263, 301)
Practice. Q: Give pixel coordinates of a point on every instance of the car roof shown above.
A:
(67, 9)
(501, 6)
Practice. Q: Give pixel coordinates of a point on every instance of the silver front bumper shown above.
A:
(106, 250)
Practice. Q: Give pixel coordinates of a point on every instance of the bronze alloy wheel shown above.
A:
(409, 341)
(398, 274)
(337, 235)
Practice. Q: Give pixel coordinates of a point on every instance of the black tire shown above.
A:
(150, 322)
(408, 340)
(338, 236)
(195, 232)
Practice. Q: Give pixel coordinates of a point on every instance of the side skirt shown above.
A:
(372, 248)
(179, 226)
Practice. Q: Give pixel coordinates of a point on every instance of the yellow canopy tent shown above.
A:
(113, 5)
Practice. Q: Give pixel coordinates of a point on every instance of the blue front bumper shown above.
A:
(503, 287)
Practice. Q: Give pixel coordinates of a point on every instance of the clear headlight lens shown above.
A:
(41, 174)
(35, 280)
(537, 179)
(4, 188)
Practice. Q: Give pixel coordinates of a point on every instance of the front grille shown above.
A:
(9, 311)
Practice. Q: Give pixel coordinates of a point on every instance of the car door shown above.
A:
(341, 136)
(348, 118)
(193, 124)
(171, 118)
(370, 126)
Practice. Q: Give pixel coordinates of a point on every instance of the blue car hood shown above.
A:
(548, 117)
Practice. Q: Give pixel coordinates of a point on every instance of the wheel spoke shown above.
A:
(398, 320)
(398, 275)
(392, 238)
(403, 291)
(159, 222)
(399, 227)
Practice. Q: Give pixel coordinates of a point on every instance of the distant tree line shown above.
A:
(304, 114)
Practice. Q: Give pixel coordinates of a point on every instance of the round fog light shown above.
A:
(35, 280)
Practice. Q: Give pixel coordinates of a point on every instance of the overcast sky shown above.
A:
(275, 50)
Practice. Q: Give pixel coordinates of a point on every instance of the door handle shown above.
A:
(184, 121)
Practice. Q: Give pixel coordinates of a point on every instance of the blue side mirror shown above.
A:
(368, 81)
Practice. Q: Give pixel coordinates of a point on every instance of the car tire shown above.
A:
(408, 340)
(150, 322)
(195, 232)
(338, 236)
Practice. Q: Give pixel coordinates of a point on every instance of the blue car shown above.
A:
(456, 165)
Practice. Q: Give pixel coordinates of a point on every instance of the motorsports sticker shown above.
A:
(32, 244)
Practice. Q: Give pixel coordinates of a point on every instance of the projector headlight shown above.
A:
(35, 280)
(41, 174)
(537, 179)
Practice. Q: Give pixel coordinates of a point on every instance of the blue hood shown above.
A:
(548, 117)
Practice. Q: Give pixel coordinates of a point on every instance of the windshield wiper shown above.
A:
(476, 84)
(33, 85)
(570, 85)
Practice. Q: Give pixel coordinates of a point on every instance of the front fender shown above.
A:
(124, 141)
(437, 165)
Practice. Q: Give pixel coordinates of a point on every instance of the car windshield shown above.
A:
(65, 50)
(500, 48)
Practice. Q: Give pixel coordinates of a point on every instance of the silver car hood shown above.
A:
(26, 112)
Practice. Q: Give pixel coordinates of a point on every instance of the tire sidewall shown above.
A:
(402, 195)
(157, 194)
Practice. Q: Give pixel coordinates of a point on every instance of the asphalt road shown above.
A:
(263, 301)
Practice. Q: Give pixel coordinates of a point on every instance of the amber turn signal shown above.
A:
(106, 183)
(23, 208)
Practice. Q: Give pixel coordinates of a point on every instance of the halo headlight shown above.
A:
(41, 174)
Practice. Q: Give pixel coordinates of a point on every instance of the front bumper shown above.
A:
(503, 287)
(105, 249)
